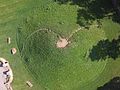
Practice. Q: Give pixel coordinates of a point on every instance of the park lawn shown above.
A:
(8, 23)
(111, 29)
(31, 15)
(10, 16)
(66, 69)
(113, 66)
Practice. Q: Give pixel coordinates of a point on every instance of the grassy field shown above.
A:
(62, 69)
(38, 59)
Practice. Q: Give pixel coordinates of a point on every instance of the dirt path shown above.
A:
(75, 32)
(61, 43)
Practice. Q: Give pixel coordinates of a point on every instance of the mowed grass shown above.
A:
(12, 12)
(29, 16)
(111, 29)
(8, 24)
(62, 69)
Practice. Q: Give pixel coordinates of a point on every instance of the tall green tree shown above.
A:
(92, 10)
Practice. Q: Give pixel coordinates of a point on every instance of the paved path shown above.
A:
(2, 79)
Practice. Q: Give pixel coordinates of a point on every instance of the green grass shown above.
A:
(65, 69)
(111, 29)
(54, 69)
(8, 23)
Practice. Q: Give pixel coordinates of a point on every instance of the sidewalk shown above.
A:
(2, 80)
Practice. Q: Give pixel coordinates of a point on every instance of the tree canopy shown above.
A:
(91, 10)
(113, 84)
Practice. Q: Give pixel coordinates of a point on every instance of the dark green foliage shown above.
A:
(62, 1)
(113, 84)
(91, 10)
(106, 48)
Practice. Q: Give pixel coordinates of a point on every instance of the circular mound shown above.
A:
(62, 69)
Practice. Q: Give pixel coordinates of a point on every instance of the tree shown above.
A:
(94, 10)
(113, 84)
(116, 4)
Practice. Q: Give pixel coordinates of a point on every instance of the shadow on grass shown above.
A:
(116, 18)
(93, 10)
(113, 84)
(105, 49)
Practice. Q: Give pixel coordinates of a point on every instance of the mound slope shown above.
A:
(62, 69)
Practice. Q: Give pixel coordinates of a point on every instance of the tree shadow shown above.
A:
(93, 10)
(116, 4)
(105, 49)
(116, 18)
(113, 84)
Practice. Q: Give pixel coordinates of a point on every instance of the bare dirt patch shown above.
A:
(62, 43)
